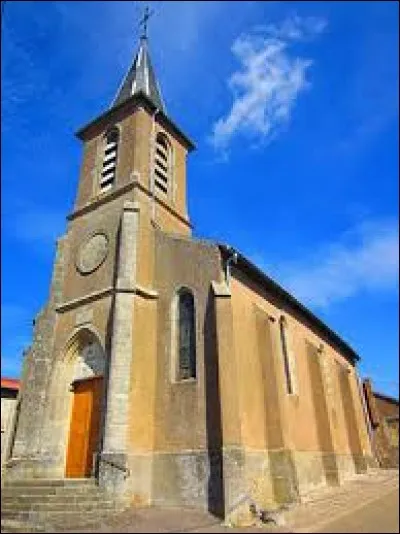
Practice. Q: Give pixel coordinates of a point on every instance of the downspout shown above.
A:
(233, 258)
(151, 164)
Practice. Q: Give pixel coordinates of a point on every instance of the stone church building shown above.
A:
(171, 369)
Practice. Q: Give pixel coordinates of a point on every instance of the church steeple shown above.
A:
(140, 78)
(135, 149)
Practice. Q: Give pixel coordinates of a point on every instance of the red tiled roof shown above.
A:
(386, 397)
(10, 383)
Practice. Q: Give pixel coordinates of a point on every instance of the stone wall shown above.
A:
(384, 417)
(26, 459)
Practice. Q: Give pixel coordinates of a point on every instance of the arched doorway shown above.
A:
(87, 391)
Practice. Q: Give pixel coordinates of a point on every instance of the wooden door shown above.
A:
(84, 428)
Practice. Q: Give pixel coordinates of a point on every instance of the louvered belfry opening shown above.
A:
(110, 160)
(162, 164)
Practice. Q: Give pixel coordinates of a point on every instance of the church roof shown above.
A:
(259, 277)
(387, 398)
(139, 86)
(140, 78)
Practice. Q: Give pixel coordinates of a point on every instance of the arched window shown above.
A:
(186, 335)
(109, 160)
(288, 361)
(162, 164)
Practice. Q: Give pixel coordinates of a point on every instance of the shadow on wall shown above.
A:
(324, 433)
(351, 422)
(216, 502)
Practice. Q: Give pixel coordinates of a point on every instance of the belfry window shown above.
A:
(109, 160)
(162, 164)
(186, 333)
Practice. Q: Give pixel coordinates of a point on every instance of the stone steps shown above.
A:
(45, 482)
(56, 507)
(44, 505)
(63, 517)
(41, 493)
(13, 525)
(50, 487)
(51, 498)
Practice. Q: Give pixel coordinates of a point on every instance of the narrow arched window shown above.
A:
(288, 362)
(109, 160)
(186, 330)
(162, 164)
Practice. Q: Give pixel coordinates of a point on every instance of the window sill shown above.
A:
(184, 381)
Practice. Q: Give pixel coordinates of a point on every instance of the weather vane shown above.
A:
(147, 14)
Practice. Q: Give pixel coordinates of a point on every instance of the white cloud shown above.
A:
(267, 86)
(296, 28)
(365, 258)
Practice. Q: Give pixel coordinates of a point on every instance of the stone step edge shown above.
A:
(55, 499)
(54, 507)
(59, 514)
(54, 495)
(12, 525)
(51, 482)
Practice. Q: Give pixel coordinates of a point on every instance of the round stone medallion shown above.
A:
(92, 253)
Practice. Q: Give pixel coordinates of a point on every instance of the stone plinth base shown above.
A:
(28, 468)
(113, 473)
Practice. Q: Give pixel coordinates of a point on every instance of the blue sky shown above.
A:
(293, 107)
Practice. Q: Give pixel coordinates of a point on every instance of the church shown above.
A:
(171, 370)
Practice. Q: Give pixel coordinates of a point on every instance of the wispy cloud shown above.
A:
(270, 80)
(364, 258)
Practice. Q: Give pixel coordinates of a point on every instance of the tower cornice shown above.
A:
(135, 183)
(131, 104)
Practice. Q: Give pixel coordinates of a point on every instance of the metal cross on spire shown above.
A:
(143, 22)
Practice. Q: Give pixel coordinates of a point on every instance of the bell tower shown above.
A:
(135, 146)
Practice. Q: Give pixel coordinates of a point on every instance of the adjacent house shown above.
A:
(384, 416)
(9, 393)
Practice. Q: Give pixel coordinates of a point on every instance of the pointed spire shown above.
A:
(141, 77)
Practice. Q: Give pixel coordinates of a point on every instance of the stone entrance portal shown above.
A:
(84, 428)
(83, 370)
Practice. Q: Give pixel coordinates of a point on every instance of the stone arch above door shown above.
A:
(82, 358)
(88, 355)
(86, 360)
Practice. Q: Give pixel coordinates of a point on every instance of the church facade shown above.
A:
(169, 368)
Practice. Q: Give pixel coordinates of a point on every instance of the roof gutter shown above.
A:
(251, 270)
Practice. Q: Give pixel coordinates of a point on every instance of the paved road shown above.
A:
(380, 515)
